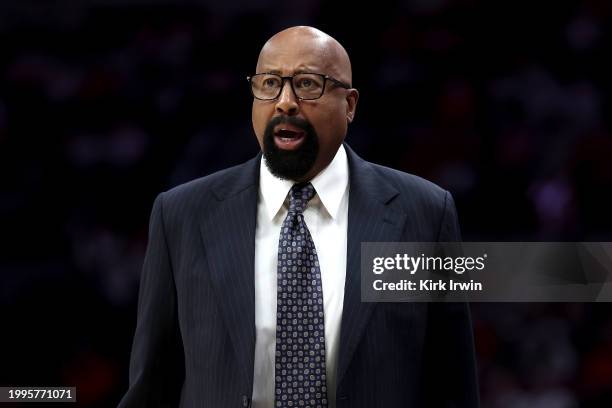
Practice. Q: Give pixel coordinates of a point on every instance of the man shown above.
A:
(250, 292)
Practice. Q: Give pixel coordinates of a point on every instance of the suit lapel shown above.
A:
(228, 234)
(371, 218)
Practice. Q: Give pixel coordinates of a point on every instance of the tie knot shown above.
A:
(300, 195)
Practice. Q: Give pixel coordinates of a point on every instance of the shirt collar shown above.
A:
(330, 185)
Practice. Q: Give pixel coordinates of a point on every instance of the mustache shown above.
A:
(290, 120)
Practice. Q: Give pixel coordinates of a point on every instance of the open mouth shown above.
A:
(288, 137)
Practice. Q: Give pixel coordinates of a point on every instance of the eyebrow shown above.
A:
(297, 71)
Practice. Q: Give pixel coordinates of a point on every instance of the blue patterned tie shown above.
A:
(300, 329)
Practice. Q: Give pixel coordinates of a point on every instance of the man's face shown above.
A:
(300, 138)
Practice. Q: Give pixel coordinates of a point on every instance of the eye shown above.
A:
(271, 82)
(305, 83)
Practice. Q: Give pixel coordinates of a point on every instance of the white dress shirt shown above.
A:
(327, 219)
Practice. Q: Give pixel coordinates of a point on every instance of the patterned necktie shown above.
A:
(300, 330)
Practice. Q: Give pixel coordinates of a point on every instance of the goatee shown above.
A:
(290, 164)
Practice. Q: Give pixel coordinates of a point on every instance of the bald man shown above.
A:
(250, 290)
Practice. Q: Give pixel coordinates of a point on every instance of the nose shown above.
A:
(287, 102)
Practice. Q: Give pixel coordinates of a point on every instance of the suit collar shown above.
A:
(364, 179)
(237, 179)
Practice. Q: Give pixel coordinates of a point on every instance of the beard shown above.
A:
(290, 164)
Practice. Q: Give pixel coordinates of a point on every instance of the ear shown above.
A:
(352, 97)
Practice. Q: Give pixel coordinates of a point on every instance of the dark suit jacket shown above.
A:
(195, 337)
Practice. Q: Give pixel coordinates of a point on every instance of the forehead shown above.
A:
(288, 55)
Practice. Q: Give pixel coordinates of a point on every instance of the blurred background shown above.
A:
(104, 104)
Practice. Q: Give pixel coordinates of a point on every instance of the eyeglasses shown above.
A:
(306, 86)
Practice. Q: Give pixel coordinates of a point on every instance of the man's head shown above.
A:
(300, 137)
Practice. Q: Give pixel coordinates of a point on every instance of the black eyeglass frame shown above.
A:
(290, 79)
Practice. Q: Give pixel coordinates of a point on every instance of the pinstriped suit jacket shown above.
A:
(195, 336)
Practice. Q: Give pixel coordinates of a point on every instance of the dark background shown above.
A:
(104, 104)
